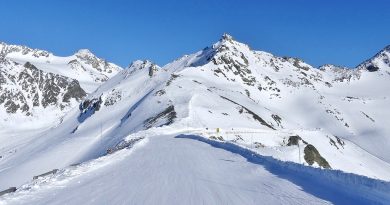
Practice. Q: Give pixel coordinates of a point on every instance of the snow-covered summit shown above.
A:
(227, 37)
(140, 64)
(380, 62)
(84, 53)
(83, 66)
(6, 49)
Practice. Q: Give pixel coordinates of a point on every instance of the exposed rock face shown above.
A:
(88, 108)
(151, 67)
(31, 79)
(294, 140)
(341, 74)
(101, 65)
(6, 49)
(23, 87)
(165, 117)
(381, 61)
(229, 57)
(245, 110)
(152, 70)
(74, 91)
(372, 68)
(312, 155)
(113, 97)
(83, 66)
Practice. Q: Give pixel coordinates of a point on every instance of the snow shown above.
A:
(258, 101)
(75, 66)
(171, 170)
(18, 129)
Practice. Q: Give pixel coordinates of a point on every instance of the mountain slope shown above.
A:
(192, 173)
(230, 86)
(330, 118)
(25, 86)
(38, 88)
(380, 62)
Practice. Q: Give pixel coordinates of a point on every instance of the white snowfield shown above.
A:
(288, 134)
(184, 169)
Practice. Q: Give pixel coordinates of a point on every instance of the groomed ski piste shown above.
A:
(168, 166)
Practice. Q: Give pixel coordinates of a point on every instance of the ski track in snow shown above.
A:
(185, 169)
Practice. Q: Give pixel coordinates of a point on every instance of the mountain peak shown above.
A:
(380, 60)
(226, 37)
(84, 52)
(141, 64)
(226, 40)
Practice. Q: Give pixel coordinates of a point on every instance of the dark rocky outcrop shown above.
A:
(165, 117)
(372, 68)
(312, 155)
(294, 140)
(246, 110)
(88, 108)
(74, 91)
(29, 87)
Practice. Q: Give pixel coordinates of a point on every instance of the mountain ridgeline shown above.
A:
(33, 80)
(330, 117)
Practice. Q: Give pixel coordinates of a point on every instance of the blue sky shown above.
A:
(318, 31)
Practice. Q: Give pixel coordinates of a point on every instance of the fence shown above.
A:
(46, 173)
(9, 190)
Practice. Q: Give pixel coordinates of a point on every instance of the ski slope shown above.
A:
(289, 133)
(181, 169)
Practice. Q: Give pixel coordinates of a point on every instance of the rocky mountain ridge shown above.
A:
(332, 117)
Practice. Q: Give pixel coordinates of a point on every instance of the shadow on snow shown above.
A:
(331, 185)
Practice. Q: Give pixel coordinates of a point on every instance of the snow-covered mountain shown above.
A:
(331, 117)
(83, 66)
(230, 86)
(38, 88)
(380, 62)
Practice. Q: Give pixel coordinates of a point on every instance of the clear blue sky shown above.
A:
(318, 31)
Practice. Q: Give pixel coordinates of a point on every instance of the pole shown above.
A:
(251, 140)
(101, 132)
(299, 151)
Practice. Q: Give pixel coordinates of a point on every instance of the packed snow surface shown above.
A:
(180, 169)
